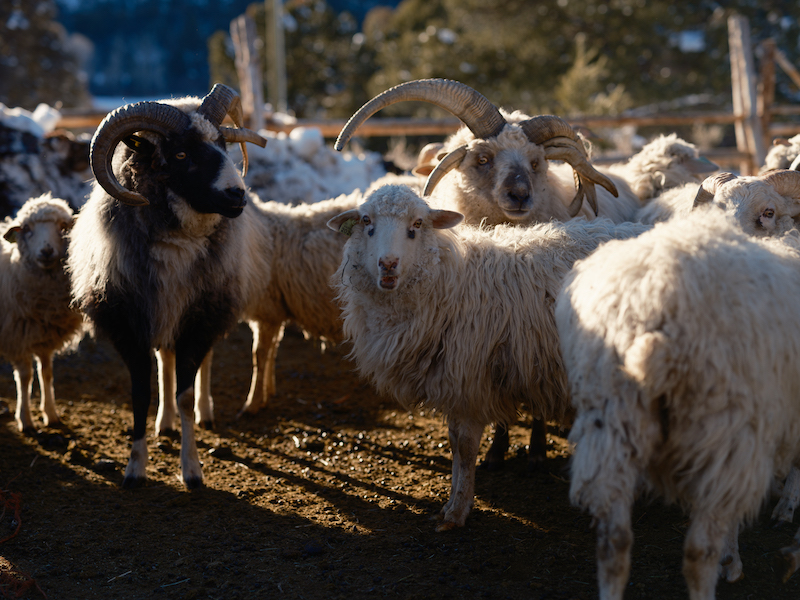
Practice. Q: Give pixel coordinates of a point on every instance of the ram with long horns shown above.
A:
(156, 253)
(506, 167)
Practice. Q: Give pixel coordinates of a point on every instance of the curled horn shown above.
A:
(222, 101)
(473, 109)
(786, 183)
(561, 142)
(119, 124)
(450, 161)
(708, 188)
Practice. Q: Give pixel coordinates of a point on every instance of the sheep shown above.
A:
(157, 254)
(763, 205)
(782, 154)
(502, 161)
(35, 315)
(34, 159)
(293, 256)
(664, 163)
(460, 321)
(681, 352)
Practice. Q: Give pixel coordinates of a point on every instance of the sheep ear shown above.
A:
(11, 234)
(445, 219)
(344, 222)
(700, 165)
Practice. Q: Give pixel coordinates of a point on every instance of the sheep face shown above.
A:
(41, 243)
(388, 230)
(194, 166)
(504, 179)
(757, 206)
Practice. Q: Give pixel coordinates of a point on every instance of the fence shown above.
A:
(753, 108)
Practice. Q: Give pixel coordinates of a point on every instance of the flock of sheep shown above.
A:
(648, 315)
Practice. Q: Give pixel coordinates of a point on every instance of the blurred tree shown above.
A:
(39, 62)
(326, 60)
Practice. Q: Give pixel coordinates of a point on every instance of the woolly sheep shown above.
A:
(458, 320)
(293, 256)
(664, 163)
(156, 256)
(682, 353)
(36, 319)
(763, 205)
(782, 154)
(498, 167)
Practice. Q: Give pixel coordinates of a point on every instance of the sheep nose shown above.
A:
(46, 252)
(388, 264)
(235, 194)
(519, 194)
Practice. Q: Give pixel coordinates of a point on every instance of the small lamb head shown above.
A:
(179, 145)
(388, 229)
(553, 135)
(764, 205)
(39, 231)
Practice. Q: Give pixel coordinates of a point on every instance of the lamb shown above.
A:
(681, 351)
(37, 320)
(293, 256)
(156, 255)
(460, 321)
(502, 161)
(664, 163)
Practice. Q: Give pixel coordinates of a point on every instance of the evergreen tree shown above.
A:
(39, 62)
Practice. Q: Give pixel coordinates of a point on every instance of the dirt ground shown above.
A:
(327, 493)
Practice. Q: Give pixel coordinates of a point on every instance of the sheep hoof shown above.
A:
(29, 431)
(536, 464)
(207, 425)
(788, 561)
(446, 526)
(194, 483)
(246, 413)
(131, 482)
(491, 463)
(168, 432)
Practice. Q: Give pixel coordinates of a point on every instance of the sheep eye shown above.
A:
(365, 220)
(180, 155)
(483, 160)
(769, 213)
(534, 164)
(26, 229)
(418, 223)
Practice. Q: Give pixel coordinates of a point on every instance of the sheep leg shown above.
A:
(614, 541)
(465, 439)
(730, 568)
(44, 371)
(789, 558)
(167, 407)
(537, 450)
(790, 498)
(701, 555)
(140, 364)
(23, 376)
(495, 456)
(266, 339)
(204, 405)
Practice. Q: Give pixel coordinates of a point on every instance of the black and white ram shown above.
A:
(155, 255)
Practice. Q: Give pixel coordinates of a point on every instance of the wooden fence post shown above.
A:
(749, 138)
(248, 68)
(766, 88)
(276, 57)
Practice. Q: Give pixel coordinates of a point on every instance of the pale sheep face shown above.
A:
(41, 243)
(757, 206)
(389, 230)
(504, 179)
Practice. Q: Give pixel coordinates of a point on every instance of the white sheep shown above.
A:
(458, 320)
(681, 350)
(664, 163)
(291, 256)
(763, 205)
(36, 320)
(782, 154)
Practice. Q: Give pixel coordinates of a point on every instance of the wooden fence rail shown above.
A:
(752, 114)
